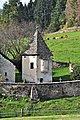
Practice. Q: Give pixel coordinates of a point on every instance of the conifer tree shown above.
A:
(30, 11)
(5, 13)
(12, 11)
(26, 18)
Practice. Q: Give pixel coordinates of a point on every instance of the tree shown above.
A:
(26, 18)
(14, 39)
(54, 26)
(0, 11)
(20, 11)
(5, 13)
(42, 12)
(13, 10)
(71, 13)
(58, 16)
(31, 11)
(78, 12)
(75, 75)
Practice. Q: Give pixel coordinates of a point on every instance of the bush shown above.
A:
(75, 75)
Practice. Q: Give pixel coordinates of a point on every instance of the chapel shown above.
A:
(37, 61)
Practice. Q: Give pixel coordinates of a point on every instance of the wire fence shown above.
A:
(23, 112)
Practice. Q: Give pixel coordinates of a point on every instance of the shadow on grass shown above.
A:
(61, 78)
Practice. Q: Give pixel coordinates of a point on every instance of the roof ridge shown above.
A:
(6, 57)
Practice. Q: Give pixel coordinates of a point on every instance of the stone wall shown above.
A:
(44, 91)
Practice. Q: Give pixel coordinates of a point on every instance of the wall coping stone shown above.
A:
(46, 83)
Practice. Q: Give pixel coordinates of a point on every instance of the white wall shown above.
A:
(29, 74)
(45, 72)
(39, 71)
(7, 67)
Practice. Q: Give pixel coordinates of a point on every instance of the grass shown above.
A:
(10, 104)
(62, 73)
(62, 106)
(54, 117)
(65, 49)
(72, 103)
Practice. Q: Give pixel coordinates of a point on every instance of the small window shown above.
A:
(31, 65)
(41, 80)
(6, 80)
(24, 56)
(5, 74)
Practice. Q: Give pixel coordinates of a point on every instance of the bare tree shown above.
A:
(14, 38)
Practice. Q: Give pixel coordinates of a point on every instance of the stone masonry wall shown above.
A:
(44, 91)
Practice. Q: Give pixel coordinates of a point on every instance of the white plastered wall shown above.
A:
(34, 75)
(28, 74)
(44, 73)
(6, 67)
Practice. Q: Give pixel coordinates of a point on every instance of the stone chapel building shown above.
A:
(7, 69)
(37, 61)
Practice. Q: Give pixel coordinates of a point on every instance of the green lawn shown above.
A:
(65, 48)
(64, 73)
(54, 117)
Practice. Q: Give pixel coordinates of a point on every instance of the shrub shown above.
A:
(75, 75)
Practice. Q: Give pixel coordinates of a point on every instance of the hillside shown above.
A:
(49, 14)
(65, 48)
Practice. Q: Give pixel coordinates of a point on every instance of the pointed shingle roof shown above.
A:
(37, 46)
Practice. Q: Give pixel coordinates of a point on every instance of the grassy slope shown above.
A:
(65, 48)
(64, 73)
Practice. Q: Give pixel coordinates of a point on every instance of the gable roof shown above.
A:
(3, 55)
(37, 46)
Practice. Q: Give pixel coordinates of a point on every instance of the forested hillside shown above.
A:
(49, 14)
